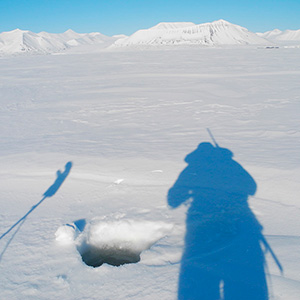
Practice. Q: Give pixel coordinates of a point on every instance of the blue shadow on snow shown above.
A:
(80, 224)
(61, 176)
(223, 256)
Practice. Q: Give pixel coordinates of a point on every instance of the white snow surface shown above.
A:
(216, 33)
(127, 119)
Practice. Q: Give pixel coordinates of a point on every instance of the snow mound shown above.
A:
(66, 234)
(115, 242)
(209, 34)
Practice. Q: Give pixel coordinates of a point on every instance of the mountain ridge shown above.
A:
(216, 33)
(213, 34)
(278, 36)
(24, 41)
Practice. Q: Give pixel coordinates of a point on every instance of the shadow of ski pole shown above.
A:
(51, 191)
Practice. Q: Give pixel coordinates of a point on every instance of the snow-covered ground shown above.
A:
(126, 120)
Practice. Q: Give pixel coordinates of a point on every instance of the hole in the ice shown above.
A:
(95, 257)
(118, 242)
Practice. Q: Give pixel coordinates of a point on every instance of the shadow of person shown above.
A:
(223, 257)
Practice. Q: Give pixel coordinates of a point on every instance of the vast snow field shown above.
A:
(126, 120)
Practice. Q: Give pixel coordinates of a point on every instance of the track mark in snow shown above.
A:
(80, 121)
(118, 181)
(62, 281)
(277, 202)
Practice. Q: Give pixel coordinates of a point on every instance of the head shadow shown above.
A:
(223, 256)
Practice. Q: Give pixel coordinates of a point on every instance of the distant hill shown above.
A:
(282, 37)
(24, 41)
(209, 34)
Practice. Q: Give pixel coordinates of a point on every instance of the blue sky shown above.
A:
(126, 16)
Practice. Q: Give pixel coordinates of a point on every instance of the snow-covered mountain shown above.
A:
(24, 41)
(18, 41)
(282, 37)
(217, 33)
(208, 34)
(72, 38)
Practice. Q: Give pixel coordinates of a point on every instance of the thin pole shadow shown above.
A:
(11, 239)
(51, 191)
(223, 256)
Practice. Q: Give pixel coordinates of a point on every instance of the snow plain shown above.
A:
(126, 120)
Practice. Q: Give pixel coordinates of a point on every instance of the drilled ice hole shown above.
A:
(95, 257)
(119, 242)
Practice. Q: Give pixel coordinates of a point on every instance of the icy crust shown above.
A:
(209, 34)
(115, 242)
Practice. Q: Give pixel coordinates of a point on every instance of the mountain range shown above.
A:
(282, 37)
(24, 41)
(215, 34)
